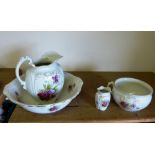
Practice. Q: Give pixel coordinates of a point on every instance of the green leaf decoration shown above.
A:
(44, 86)
(48, 86)
(55, 88)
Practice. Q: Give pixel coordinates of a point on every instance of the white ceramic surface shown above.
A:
(15, 93)
(42, 82)
(131, 101)
(102, 98)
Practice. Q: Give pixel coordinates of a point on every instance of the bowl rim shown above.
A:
(143, 83)
(5, 92)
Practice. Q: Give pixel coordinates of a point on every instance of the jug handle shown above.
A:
(111, 85)
(21, 61)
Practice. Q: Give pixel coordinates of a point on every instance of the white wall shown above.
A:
(90, 51)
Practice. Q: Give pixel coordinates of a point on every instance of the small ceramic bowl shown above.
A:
(131, 94)
(15, 93)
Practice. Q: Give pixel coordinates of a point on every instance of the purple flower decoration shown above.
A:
(104, 104)
(46, 95)
(123, 104)
(53, 108)
(133, 106)
(55, 78)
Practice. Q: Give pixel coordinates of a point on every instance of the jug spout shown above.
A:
(48, 59)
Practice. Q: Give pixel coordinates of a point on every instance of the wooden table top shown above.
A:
(82, 108)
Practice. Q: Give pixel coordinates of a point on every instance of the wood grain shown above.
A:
(82, 109)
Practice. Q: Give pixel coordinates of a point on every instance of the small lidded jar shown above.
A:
(102, 98)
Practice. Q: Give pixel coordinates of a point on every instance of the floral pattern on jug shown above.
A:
(102, 104)
(105, 103)
(102, 98)
(50, 88)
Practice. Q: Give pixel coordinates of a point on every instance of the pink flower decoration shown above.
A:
(104, 104)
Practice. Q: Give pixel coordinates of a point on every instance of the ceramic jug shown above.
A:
(102, 98)
(43, 82)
